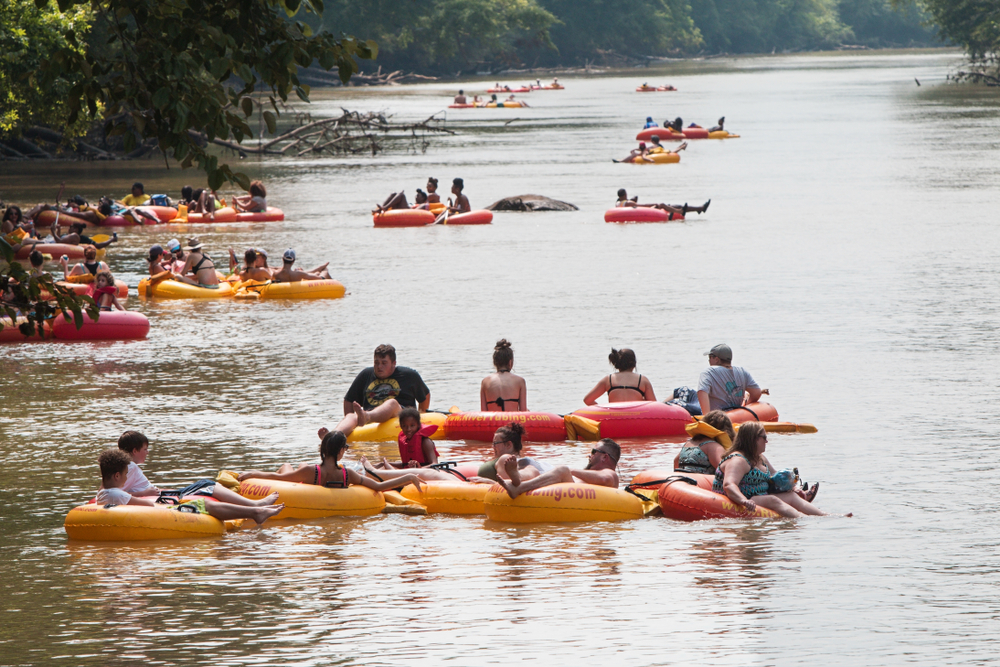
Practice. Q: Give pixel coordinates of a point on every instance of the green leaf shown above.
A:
(271, 122)
(247, 105)
(6, 250)
(242, 180)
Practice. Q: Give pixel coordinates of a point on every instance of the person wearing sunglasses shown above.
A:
(601, 470)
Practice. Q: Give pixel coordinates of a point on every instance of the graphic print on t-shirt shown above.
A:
(379, 391)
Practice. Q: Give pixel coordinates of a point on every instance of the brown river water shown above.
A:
(848, 257)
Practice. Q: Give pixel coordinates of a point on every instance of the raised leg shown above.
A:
(224, 495)
(554, 476)
(225, 511)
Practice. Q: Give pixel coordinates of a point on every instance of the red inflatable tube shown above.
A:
(117, 221)
(640, 214)
(695, 133)
(753, 412)
(638, 419)
(270, 215)
(404, 217)
(664, 133)
(87, 289)
(46, 218)
(54, 250)
(682, 501)
(646, 478)
(225, 214)
(538, 426)
(480, 217)
(11, 334)
(112, 325)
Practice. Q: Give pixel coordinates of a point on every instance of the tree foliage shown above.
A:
(171, 69)
(975, 24)
(24, 297)
(877, 23)
(754, 26)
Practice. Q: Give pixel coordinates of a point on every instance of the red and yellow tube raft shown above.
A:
(626, 214)
(161, 213)
(404, 217)
(637, 419)
(684, 499)
(538, 426)
(174, 289)
(666, 157)
(308, 501)
(564, 502)
(46, 218)
(98, 523)
(504, 104)
(389, 431)
(478, 217)
(84, 286)
(520, 89)
(301, 289)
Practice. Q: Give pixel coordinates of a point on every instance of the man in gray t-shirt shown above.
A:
(721, 386)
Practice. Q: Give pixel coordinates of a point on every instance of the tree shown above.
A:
(877, 23)
(755, 26)
(177, 71)
(30, 301)
(975, 24)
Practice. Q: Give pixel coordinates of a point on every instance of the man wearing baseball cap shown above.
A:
(286, 274)
(174, 246)
(722, 386)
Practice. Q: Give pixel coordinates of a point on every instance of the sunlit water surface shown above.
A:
(848, 257)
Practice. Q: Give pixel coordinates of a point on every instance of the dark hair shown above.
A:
(137, 184)
(186, 192)
(613, 449)
(503, 355)
(154, 252)
(111, 278)
(250, 256)
(459, 182)
(745, 442)
(622, 193)
(105, 207)
(196, 195)
(78, 199)
(623, 359)
(112, 462)
(386, 351)
(36, 258)
(719, 420)
(512, 432)
(333, 443)
(431, 179)
(78, 225)
(409, 413)
(132, 441)
(421, 196)
(461, 92)
(89, 252)
(257, 189)
(13, 209)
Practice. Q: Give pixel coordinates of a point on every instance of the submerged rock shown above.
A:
(531, 203)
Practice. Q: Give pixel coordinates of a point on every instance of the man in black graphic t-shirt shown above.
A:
(380, 391)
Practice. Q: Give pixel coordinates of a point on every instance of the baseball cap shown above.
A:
(173, 245)
(289, 255)
(722, 351)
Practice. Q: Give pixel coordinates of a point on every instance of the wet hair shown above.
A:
(249, 257)
(745, 442)
(622, 193)
(421, 196)
(132, 441)
(623, 359)
(137, 184)
(36, 258)
(154, 253)
(503, 355)
(385, 350)
(512, 432)
(10, 214)
(257, 189)
(90, 252)
(431, 179)
(112, 462)
(613, 449)
(333, 443)
(111, 278)
(460, 183)
(719, 420)
(409, 413)
(186, 192)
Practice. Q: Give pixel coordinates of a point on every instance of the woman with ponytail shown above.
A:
(503, 391)
(625, 385)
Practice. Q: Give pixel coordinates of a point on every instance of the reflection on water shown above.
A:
(848, 258)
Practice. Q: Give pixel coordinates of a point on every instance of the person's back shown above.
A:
(200, 264)
(723, 386)
(460, 98)
(625, 384)
(503, 391)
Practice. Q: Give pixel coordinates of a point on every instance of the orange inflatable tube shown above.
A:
(54, 250)
(682, 501)
(404, 217)
(270, 215)
(46, 218)
(479, 217)
(664, 133)
(654, 478)
(638, 419)
(753, 412)
(538, 426)
(639, 214)
(225, 214)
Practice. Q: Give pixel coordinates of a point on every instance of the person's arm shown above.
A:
(135, 500)
(304, 474)
(482, 396)
(753, 394)
(733, 472)
(714, 451)
(426, 403)
(650, 394)
(704, 402)
(595, 393)
(114, 302)
(677, 459)
(430, 453)
(770, 468)
(105, 244)
(54, 230)
(522, 402)
(357, 479)
(606, 477)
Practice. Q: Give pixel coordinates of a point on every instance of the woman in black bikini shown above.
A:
(329, 473)
(625, 385)
(503, 391)
(200, 265)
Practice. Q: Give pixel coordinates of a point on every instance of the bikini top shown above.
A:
(204, 258)
(500, 401)
(331, 485)
(92, 267)
(612, 387)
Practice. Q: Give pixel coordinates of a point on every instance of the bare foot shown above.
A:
(365, 463)
(363, 417)
(322, 432)
(385, 464)
(262, 514)
(267, 502)
(510, 467)
(512, 491)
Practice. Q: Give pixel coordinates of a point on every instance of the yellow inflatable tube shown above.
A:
(563, 503)
(308, 501)
(722, 134)
(659, 158)
(389, 431)
(137, 522)
(172, 289)
(303, 289)
(449, 497)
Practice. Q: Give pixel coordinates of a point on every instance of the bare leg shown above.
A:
(426, 474)
(776, 504)
(555, 476)
(347, 424)
(681, 147)
(382, 413)
(285, 467)
(508, 464)
(225, 511)
(224, 495)
(185, 279)
(801, 504)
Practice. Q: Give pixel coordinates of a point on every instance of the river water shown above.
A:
(848, 257)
